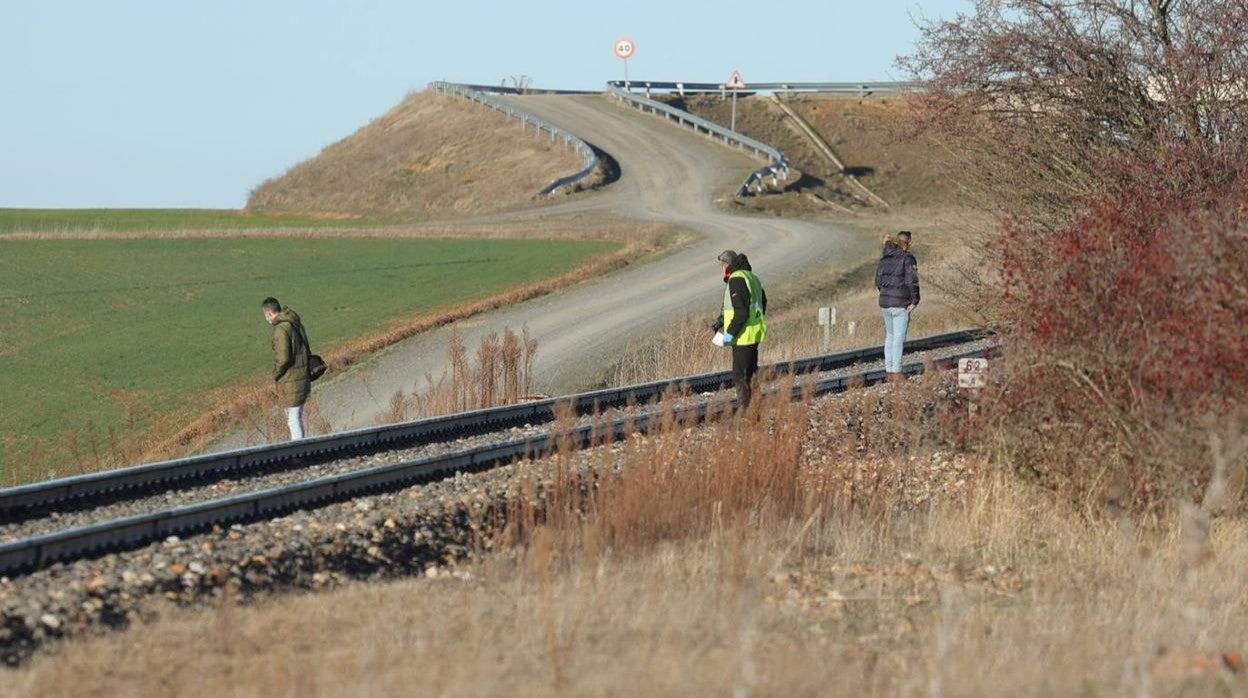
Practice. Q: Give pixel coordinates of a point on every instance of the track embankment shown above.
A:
(386, 533)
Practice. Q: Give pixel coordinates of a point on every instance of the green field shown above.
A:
(52, 220)
(87, 326)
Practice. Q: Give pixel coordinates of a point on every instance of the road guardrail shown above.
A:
(777, 170)
(861, 89)
(477, 93)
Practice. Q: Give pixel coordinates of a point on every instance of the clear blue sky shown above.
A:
(191, 103)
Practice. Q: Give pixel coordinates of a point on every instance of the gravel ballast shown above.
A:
(60, 520)
(418, 531)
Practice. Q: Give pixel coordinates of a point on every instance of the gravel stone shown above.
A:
(424, 530)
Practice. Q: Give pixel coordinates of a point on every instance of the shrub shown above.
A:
(1126, 332)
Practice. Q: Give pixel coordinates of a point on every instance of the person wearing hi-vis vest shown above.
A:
(742, 325)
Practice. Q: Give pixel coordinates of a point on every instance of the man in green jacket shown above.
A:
(290, 362)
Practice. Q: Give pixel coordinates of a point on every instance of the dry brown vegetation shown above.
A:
(430, 155)
(498, 372)
(1047, 104)
(869, 136)
(941, 244)
(758, 118)
(1113, 134)
(880, 543)
(782, 554)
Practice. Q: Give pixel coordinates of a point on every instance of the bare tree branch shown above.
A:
(1041, 93)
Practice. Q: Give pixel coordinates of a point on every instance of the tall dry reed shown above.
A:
(498, 371)
(735, 560)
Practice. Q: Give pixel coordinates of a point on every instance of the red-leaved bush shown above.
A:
(1127, 332)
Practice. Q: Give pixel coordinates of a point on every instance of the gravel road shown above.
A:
(668, 174)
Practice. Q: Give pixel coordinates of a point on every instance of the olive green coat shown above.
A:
(290, 359)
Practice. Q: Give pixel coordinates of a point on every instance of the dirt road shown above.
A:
(668, 174)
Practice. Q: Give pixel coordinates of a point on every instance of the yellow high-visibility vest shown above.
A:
(755, 330)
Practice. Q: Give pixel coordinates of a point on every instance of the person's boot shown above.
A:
(896, 378)
(745, 393)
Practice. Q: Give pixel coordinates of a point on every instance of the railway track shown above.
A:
(37, 510)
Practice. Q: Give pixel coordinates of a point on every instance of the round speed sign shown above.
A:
(624, 48)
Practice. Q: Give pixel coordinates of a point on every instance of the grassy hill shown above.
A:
(432, 155)
(867, 135)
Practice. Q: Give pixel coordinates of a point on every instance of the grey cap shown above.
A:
(727, 256)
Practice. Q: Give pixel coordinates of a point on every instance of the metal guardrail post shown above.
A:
(854, 88)
(476, 94)
(779, 161)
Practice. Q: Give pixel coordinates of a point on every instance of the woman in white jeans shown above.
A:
(897, 280)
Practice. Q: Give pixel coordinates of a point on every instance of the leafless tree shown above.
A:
(1038, 98)
(520, 82)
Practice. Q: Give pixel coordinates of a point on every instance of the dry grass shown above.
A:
(944, 244)
(432, 154)
(732, 561)
(941, 245)
(871, 137)
(498, 372)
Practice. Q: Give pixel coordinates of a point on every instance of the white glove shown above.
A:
(718, 339)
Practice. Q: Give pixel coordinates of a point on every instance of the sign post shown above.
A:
(735, 83)
(972, 377)
(827, 318)
(624, 49)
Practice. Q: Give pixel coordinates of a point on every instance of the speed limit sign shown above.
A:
(624, 48)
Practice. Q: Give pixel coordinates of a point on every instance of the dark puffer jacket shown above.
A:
(739, 291)
(897, 277)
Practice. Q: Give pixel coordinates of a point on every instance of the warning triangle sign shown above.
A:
(735, 82)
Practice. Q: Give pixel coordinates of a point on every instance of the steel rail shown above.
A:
(25, 502)
(39, 551)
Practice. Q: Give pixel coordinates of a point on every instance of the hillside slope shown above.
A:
(866, 134)
(669, 177)
(869, 136)
(430, 155)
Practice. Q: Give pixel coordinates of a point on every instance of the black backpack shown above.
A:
(316, 365)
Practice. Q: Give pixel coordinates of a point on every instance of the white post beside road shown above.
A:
(826, 319)
(735, 83)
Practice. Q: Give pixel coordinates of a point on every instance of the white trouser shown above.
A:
(896, 321)
(294, 420)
